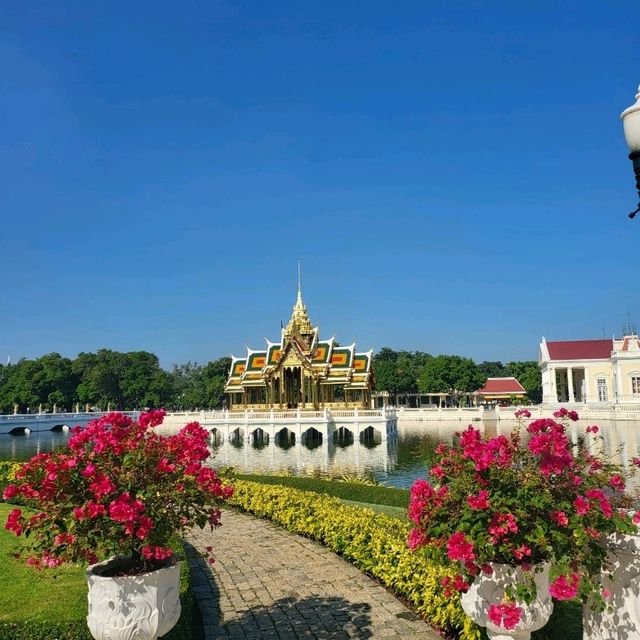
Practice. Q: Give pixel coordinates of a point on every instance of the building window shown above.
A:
(635, 385)
(602, 390)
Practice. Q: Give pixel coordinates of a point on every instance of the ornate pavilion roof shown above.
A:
(300, 341)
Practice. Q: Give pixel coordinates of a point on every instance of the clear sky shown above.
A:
(452, 174)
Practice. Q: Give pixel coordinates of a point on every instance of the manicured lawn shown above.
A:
(369, 494)
(28, 595)
(52, 604)
(395, 512)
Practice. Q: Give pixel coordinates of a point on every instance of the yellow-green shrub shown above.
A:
(8, 470)
(373, 542)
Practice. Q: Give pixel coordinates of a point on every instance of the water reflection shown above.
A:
(396, 462)
(314, 455)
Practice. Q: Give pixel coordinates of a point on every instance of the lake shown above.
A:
(396, 462)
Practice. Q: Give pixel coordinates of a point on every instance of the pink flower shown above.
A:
(156, 552)
(460, 584)
(562, 589)
(560, 517)
(617, 482)
(64, 538)
(522, 551)
(562, 413)
(605, 593)
(480, 501)
(416, 539)
(501, 525)
(14, 522)
(635, 462)
(152, 418)
(582, 506)
(592, 429)
(50, 561)
(459, 548)
(506, 616)
(523, 413)
(10, 492)
(89, 470)
(165, 467)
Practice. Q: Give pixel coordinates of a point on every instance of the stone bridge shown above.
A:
(36, 422)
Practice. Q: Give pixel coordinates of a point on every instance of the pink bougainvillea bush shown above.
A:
(117, 488)
(532, 497)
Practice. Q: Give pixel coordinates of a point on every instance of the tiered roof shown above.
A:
(333, 364)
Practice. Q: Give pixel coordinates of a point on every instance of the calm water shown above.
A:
(397, 462)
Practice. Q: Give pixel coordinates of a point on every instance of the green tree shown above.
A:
(187, 386)
(100, 375)
(142, 381)
(397, 371)
(528, 374)
(215, 374)
(493, 369)
(450, 374)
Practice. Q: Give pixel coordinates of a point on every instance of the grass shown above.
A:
(395, 512)
(56, 594)
(362, 493)
(52, 604)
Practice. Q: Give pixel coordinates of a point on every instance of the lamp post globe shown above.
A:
(631, 124)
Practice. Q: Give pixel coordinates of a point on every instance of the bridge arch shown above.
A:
(370, 436)
(236, 437)
(259, 437)
(19, 431)
(216, 437)
(311, 438)
(285, 438)
(342, 436)
(60, 427)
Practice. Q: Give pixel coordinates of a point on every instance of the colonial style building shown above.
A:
(591, 371)
(300, 371)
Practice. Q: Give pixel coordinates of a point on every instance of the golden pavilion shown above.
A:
(300, 371)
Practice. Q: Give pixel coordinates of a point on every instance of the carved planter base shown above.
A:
(139, 607)
(622, 617)
(488, 590)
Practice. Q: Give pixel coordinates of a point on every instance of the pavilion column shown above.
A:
(570, 391)
(549, 385)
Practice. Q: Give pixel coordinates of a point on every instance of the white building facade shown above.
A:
(595, 372)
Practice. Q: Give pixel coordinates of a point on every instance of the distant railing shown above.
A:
(293, 414)
(22, 417)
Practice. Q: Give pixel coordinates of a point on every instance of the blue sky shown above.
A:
(452, 174)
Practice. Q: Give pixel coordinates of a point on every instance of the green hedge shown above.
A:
(373, 542)
(371, 494)
(8, 470)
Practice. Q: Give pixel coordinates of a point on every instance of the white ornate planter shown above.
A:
(622, 617)
(488, 590)
(139, 607)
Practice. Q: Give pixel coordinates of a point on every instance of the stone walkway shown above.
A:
(268, 583)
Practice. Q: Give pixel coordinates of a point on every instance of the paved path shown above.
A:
(269, 583)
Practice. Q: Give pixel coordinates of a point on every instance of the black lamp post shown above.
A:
(631, 123)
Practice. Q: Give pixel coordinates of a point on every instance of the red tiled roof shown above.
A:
(580, 350)
(502, 385)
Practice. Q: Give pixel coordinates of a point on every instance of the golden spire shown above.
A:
(299, 319)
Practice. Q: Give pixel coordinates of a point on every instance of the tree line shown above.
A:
(416, 372)
(135, 380)
(110, 379)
